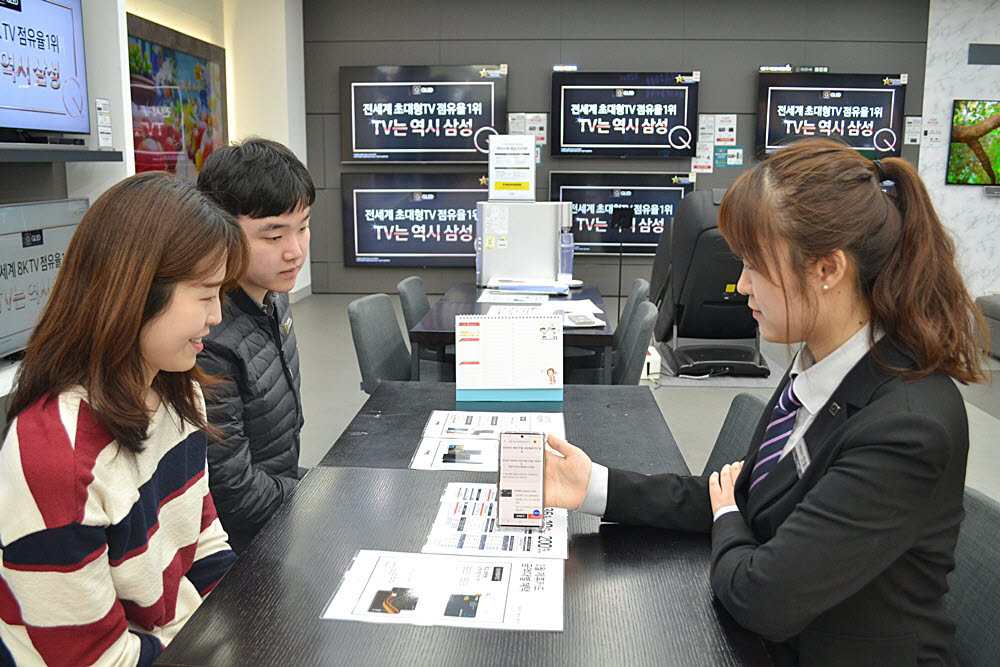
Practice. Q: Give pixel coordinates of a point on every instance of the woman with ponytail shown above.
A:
(833, 537)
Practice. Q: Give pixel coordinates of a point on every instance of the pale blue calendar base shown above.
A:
(522, 395)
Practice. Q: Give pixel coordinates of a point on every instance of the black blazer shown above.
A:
(846, 564)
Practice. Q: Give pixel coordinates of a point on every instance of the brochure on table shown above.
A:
(466, 524)
(502, 296)
(501, 358)
(461, 591)
(456, 440)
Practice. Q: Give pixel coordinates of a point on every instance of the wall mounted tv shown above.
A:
(974, 153)
(33, 242)
(595, 195)
(411, 219)
(420, 114)
(624, 114)
(864, 110)
(42, 69)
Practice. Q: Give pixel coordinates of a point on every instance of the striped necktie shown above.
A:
(776, 435)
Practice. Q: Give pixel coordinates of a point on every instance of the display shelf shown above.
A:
(47, 154)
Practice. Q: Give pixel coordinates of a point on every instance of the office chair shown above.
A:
(378, 342)
(413, 299)
(972, 596)
(701, 301)
(736, 433)
(583, 357)
(627, 361)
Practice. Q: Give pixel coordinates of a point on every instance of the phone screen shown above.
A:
(522, 456)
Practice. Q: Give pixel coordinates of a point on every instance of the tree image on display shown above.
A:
(975, 142)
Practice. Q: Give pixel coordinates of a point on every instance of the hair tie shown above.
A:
(882, 176)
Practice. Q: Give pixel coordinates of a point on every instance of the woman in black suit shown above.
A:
(833, 537)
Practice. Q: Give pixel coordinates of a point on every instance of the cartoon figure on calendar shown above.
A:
(552, 375)
(548, 333)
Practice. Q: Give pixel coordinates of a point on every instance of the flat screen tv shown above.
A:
(43, 74)
(421, 114)
(624, 114)
(411, 219)
(974, 153)
(864, 110)
(33, 242)
(595, 195)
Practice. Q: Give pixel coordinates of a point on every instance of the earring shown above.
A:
(826, 287)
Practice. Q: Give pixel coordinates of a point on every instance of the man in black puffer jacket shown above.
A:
(257, 407)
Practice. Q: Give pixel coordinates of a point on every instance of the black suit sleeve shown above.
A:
(674, 502)
(245, 496)
(862, 515)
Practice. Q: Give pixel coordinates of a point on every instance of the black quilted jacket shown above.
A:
(257, 408)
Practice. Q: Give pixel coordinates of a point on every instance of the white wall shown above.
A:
(265, 80)
(106, 47)
(971, 216)
(201, 19)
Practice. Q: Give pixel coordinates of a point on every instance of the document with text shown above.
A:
(458, 591)
(467, 524)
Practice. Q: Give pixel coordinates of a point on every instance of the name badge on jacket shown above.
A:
(801, 455)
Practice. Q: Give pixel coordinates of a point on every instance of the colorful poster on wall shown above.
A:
(178, 103)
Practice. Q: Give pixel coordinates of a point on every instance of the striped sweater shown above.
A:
(105, 553)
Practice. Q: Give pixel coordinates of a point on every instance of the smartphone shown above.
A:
(519, 497)
(581, 320)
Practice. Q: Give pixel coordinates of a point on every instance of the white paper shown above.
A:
(702, 161)
(725, 129)
(495, 352)
(914, 128)
(479, 455)
(497, 296)
(535, 125)
(706, 128)
(466, 524)
(513, 311)
(497, 220)
(459, 591)
(512, 168)
(933, 133)
(574, 306)
(489, 425)
(516, 123)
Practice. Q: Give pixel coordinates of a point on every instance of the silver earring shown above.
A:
(826, 287)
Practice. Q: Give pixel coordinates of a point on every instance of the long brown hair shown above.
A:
(140, 239)
(819, 196)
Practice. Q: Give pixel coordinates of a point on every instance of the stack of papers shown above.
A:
(455, 440)
(501, 296)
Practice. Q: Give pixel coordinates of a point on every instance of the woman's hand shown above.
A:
(566, 476)
(720, 485)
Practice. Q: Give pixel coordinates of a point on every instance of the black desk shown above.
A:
(618, 426)
(632, 595)
(438, 326)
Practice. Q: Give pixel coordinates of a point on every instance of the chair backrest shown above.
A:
(972, 597)
(639, 293)
(703, 270)
(659, 277)
(630, 357)
(737, 432)
(378, 342)
(413, 299)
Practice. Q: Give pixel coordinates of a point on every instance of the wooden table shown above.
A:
(437, 328)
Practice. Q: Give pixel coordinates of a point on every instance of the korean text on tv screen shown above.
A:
(651, 196)
(620, 114)
(42, 69)
(864, 110)
(411, 219)
(421, 114)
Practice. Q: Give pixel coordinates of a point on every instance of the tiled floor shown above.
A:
(331, 396)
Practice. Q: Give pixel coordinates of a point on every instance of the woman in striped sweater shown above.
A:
(108, 535)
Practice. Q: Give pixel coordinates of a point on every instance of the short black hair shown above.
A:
(257, 178)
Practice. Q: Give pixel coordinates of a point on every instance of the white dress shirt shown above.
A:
(813, 382)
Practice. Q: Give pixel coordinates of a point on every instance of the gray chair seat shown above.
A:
(736, 433)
